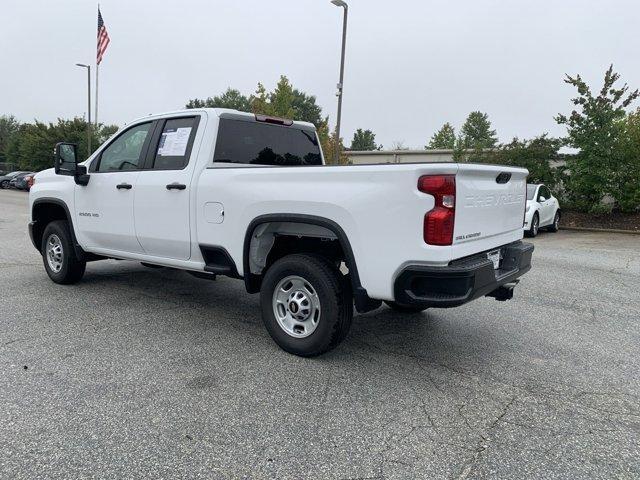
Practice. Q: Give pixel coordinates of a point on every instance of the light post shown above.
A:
(340, 3)
(88, 67)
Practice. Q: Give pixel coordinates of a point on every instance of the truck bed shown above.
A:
(379, 207)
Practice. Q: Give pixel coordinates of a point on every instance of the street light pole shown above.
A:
(340, 3)
(88, 67)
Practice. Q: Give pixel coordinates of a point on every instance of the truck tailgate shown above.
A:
(490, 201)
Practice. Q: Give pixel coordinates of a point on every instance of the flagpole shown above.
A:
(96, 109)
(97, 74)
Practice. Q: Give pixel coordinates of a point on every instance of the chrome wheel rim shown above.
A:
(556, 222)
(296, 306)
(535, 225)
(54, 253)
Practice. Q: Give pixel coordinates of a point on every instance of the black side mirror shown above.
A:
(66, 163)
(66, 159)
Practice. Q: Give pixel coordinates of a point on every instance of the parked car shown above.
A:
(221, 192)
(6, 179)
(20, 181)
(23, 182)
(543, 210)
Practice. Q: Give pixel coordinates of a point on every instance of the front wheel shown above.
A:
(535, 226)
(4, 184)
(59, 257)
(306, 304)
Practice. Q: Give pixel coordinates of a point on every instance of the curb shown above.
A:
(600, 230)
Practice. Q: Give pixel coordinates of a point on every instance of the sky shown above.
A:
(411, 65)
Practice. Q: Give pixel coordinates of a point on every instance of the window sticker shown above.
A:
(173, 142)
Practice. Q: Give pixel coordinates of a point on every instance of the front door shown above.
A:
(546, 205)
(163, 191)
(104, 207)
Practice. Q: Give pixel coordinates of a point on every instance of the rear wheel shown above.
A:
(535, 226)
(400, 308)
(4, 184)
(58, 254)
(555, 226)
(306, 304)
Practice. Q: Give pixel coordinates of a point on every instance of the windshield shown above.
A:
(531, 191)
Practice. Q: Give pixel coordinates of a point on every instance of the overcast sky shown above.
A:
(411, 64)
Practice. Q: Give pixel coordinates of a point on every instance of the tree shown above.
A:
(105, 132)
(31, 147)
(279, 103)
(476, 133)
(284, 101)
(537, 155)
(363, 140)
(625, 182)
(305, 108)
(9, 126)
(445, 138)
(595, 128)
(231, 98)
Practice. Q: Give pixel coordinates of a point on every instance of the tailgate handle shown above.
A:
(503, 177)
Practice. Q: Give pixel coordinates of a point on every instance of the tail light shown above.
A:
(31, 179)
(439, 221)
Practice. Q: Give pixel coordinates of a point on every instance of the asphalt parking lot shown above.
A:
(140, 373)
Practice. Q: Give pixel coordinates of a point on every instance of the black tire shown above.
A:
(400, 308)
(71, 269)
(4, 184)
(333, 292)
(535, 226)
(555, 226)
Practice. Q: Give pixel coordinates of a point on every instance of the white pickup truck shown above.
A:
(220, 192)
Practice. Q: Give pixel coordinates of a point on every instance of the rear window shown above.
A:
(531, 191)
(265, 144)
(176, 141)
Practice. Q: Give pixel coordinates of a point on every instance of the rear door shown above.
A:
(490, 202)
(163, 189)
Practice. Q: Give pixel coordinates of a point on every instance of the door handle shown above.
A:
(126, 186)
(176, 186)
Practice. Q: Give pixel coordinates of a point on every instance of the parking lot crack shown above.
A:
(484, 442)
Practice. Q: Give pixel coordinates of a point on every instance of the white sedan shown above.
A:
(543, 210)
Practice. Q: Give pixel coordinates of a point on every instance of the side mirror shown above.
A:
(66, 163)
(542, 199)
(66, 159)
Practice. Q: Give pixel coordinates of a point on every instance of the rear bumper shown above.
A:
(463, 280)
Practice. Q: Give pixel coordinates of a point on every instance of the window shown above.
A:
(265, 144)
(125, 152)
(174, 147)
(531, 191)
(544, 192)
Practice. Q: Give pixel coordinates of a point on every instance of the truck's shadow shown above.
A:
(438, 336)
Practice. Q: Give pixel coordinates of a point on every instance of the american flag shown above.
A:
(103, 38)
